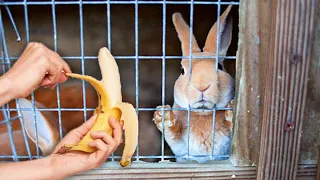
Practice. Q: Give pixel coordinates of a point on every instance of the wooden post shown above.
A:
(286, 77)
(252, 50)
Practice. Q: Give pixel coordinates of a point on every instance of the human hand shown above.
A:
(37, 66)
(73, 162)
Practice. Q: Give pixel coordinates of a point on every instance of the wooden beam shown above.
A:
(286, 78)
(252, 48)
(167, 170)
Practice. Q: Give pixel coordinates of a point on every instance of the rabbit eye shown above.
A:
(182, 70)
(220, 66)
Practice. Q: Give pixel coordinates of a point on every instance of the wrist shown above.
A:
(47, 169)
(51, 171)
(6, 90)
(57, 168)
(34, 169)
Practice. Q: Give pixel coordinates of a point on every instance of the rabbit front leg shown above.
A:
(169, 121)
(172, 130)
(229, 113)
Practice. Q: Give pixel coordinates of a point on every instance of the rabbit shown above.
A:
(206, 88)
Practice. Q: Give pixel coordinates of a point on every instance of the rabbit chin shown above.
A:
(203, 105)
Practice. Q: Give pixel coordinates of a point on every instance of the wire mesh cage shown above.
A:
(143, 40)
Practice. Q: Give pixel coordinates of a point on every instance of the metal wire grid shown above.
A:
(6, 61)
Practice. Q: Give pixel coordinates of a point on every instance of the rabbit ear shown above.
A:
(184, 35)
(225, 34)
(47, 129)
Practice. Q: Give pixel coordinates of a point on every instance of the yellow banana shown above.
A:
(110, 103)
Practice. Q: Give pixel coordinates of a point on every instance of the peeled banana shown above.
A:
(110, 103)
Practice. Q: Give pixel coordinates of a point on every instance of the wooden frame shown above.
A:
(258, 55)
(290, 32)
(245, 146)
(166, 170)
(274, 50)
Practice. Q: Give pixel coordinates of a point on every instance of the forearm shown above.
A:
(35, 169)
(6, 90)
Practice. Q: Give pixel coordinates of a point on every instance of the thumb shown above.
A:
(85, 127)
(45, 82)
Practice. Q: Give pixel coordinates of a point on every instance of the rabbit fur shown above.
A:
(207, 87)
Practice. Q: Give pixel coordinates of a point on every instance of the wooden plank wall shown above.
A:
(286, 79)
(310, 143)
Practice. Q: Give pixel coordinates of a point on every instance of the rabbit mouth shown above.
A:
(202, 104)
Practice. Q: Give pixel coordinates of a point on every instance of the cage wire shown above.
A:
(6, 63)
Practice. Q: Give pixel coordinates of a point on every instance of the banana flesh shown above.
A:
(110, 104)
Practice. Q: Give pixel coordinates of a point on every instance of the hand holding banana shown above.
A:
(110, 104)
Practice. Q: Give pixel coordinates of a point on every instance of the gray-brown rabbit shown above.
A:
(206, 88)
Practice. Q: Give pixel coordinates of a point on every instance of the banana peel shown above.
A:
(110, 104)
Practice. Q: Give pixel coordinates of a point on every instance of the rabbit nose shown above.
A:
(201, 89)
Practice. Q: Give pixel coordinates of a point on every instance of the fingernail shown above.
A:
(94, 133)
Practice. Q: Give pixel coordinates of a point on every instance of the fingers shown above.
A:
(117, 130)
(63, 66)
(54, 69)
(46, 82)
(110, 143)
(55, 66)
(75, 135)
(66, 67)
(63, 78)
(104, 143)
(105, 137)
(100, 145)
(84, 128)
(103, 151)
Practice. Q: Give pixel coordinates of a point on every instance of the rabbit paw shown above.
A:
(229, 113)
(168, 117)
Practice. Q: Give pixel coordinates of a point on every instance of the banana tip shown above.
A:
(104, 50)
(124, 163)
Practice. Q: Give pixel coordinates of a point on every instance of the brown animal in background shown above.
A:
(47, 121)
(208, 86)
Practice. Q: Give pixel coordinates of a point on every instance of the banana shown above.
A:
(110, 103)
